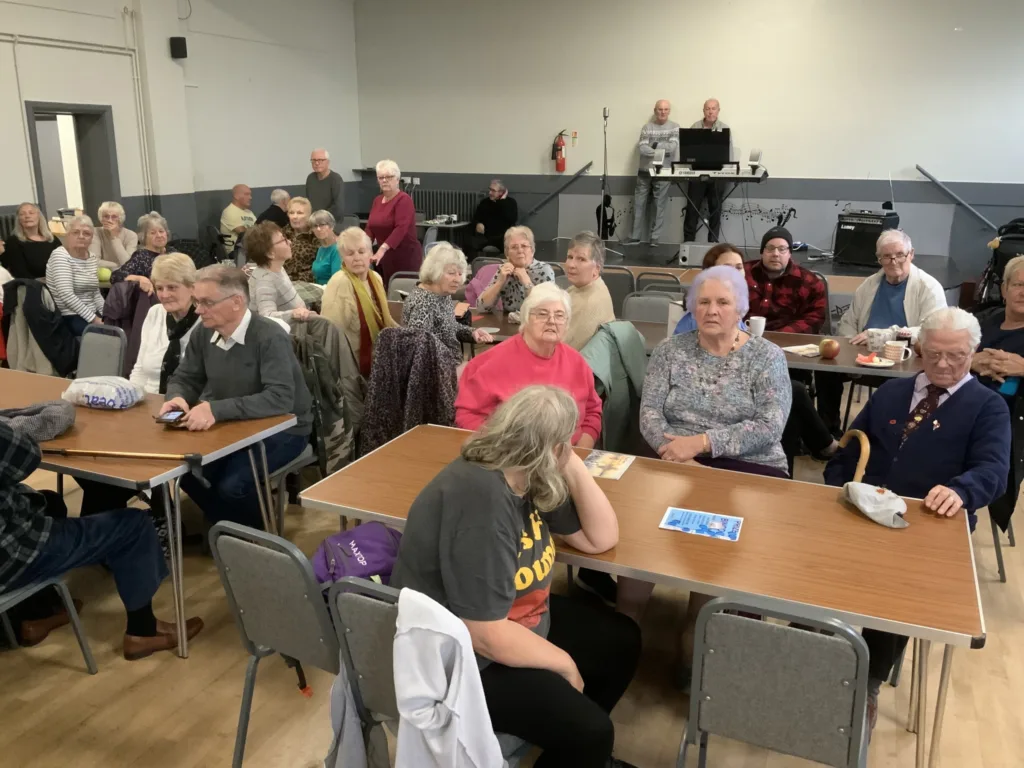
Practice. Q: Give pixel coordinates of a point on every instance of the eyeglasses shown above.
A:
(896, 258)
(953, 358)
(559, 318)
(386, 178)
(210, 304)
(318, 159)
(779, 249)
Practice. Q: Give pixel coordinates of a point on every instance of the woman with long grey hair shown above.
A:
(479, 540)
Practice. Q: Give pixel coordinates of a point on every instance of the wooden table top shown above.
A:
(799, 542)
(497, 320)
(132, 430)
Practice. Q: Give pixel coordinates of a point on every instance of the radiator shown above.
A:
(434, 202)
(7, 222)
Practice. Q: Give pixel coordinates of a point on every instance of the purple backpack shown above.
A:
(368, 551)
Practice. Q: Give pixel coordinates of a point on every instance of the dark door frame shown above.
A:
(106, 115)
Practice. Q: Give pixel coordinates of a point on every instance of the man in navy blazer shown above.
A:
(941, 436)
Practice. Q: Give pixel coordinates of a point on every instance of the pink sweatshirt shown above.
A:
(493, 377)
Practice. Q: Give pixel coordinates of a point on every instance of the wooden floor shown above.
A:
(164, 711)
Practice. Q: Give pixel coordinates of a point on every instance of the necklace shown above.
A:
(735, 343)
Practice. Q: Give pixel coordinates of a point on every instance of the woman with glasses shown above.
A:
(536, 356)
(112, 243)
(271, 293)
(392, 225)
(328, 260)
(515, 278)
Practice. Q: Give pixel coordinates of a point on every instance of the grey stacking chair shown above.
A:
(826, 326)
(621, 283)
(12, 597)
(365, 615)
(789, 690)
(647, 307)
(401, 281)
(482, 261)
(429, 238)
(556, 267)
(658, 281)
(562, 281)
(101, 352)
(277, 605)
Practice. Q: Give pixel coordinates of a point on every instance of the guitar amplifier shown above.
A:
(856, 235)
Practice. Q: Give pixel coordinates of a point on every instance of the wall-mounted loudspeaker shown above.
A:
(179, 48)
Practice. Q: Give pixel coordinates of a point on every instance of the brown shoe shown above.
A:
(165, 639)
(34, 631)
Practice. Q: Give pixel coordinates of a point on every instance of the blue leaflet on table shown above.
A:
(724, 527)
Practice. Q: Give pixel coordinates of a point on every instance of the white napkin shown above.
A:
(880, 504)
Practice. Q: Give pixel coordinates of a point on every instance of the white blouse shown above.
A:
(152, 349)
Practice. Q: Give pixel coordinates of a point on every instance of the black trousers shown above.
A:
(885, 648)
(803, 426)
(829, 388)
(477, 242)
(541, 707)
(699, 191)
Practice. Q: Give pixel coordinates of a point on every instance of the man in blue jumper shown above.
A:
(941, 436)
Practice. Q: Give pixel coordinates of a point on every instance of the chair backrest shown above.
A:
(557, 268)
(658, 281)
(646, 307)
(349, 221)
(826, 327)
(215, 243)
(365, 615)
(102, 351)
(621, 283)
(778, 687)
(483, 261)
(562, 281)
(316, 364)
(397, 283)
(429, 238)
(274, 596)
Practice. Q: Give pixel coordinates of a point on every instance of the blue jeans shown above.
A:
(75, 324)
(232, 492)
(124, 540)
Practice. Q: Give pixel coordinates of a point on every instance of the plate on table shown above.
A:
(489, 329)
(878, 362)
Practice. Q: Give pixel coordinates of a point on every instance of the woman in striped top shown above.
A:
(71, 278)
(271, 293)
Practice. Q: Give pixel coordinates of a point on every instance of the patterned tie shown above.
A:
(924, 409)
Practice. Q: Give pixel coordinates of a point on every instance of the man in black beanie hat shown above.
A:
(790, 298)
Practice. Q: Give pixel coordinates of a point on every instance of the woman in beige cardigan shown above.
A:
(112, 244)
(354, 298)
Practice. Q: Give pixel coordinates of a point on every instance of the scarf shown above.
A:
(374, 314)
(175, 330)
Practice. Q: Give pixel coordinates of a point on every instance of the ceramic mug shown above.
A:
(756, 326)
(877, 337)
(897, 350)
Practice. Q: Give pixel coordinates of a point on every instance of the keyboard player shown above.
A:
(711, 190)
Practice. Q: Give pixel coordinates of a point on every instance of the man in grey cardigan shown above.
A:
(325, 188)
(238, 366)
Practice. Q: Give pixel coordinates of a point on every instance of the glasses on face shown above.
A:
(386, 178)
(516, 247)
(953, 358)
(558, 317)
(779, 249)
(211, 303)
(896, 258)
(318, 160)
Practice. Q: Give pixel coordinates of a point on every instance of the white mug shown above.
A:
(675, 314)
(756, 325)
(877, 337)
(897, 350)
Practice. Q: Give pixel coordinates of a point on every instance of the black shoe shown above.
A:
(684, 678)
(598, 583)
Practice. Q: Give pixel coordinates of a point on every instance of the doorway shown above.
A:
(74, 156)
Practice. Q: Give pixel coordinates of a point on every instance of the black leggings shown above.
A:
(541, 707)
(804, 425)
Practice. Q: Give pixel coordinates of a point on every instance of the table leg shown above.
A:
(940, 704)
(259, 492)
(912, 714)
(271, 512)
(922, 702)
(172, 505)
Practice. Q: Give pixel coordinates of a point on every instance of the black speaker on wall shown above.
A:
(179, 48)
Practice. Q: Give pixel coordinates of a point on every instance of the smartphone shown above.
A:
(171, 417)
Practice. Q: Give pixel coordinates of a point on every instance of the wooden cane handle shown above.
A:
(865, 451)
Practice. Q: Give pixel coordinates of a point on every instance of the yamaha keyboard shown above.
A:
(731, 172)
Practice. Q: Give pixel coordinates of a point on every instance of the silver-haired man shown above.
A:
(658, 138)
(897, 296)
(494, 215)
(941, 436)
(277, 212)
(238, 366)
(710, 190)
(325, 188)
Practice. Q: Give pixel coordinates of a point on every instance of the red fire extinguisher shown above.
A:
(558, 152)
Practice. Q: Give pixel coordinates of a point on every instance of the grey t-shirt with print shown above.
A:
(481, 551)
(513, 293)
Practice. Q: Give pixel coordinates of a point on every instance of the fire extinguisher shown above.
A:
(558, 152)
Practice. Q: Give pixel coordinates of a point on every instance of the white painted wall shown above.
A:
(827, 89)
(267, 82)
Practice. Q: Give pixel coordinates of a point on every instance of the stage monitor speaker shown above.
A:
(179, 48)
(856, 235)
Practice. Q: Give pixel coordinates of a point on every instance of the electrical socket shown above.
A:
(405, 179)
(415, 181)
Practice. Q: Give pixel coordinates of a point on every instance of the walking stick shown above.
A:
(865, 451)
(193, 460)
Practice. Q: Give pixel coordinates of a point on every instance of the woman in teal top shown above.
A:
(328, 260)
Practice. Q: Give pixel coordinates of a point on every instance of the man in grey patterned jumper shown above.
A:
(660, 134)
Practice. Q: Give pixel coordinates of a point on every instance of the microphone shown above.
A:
(606, 113)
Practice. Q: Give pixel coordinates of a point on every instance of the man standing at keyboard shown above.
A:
(658, 139)
(711, 190)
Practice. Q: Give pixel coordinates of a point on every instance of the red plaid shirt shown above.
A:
(791, 303)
